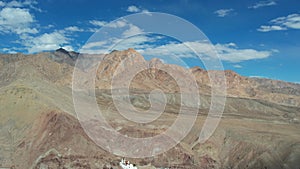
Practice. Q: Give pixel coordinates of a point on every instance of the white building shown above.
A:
(126, 165)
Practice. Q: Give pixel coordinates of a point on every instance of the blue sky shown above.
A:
(252, 37)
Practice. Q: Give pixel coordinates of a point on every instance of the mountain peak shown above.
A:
(129, 54)
(197, 69)
(131, 50)
(231, 73)
(155, 62)
(62, 55)
(62, 50)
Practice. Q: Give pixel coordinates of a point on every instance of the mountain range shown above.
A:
(39, 127)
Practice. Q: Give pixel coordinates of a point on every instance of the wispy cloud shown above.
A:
(259, 77)
(261, 4)
(98, 23)
(135, 9)
(237, 66)
(74, 29)
(265, 28)
(290, 21)
(116, 24)
(282, 23)
(234, 54)
(11, 50)
(227, 52)
(20, 4)
(133, 30)
(223, 12)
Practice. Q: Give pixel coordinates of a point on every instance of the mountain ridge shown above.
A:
(281, 92)
(74, 55)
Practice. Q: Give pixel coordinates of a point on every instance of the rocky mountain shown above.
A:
(39, 127)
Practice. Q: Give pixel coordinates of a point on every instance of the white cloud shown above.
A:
(2, 3)
(265, 28)
(282, 23)
(261, 4)
(49, 41)
(133, 30)
(9, 50)
(133, 9)
(227, 52)
(146, 11)
(117, 24)
(260, 77)
(223, 12)
(237, 66)
(16, 20)
(14, 4)
(73, 29)
(103, 47)
(275, 51)
(180, 50)
(114, 24)
(68, 48)
(29, 2)
(138, 42)
(91, 45)
(231, 44)
(48, 26)
(290, 21)
(120, 41)
(98, 23)
(20, 4)
(45, 42)
(235, 55)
